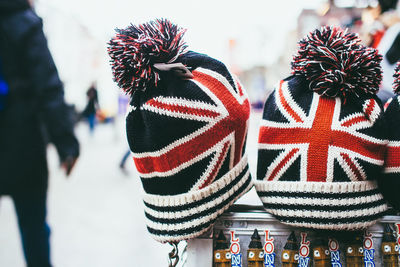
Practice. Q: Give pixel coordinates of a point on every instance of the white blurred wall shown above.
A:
(78, 31)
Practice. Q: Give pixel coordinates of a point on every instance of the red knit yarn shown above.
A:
(396, 75)
(134, 50)
(336, 63)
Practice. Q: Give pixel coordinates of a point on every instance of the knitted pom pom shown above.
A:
(396, 75)
(336, 63)
(134, 50)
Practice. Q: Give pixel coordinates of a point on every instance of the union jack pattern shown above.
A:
(391, 179)
(187, 132)
(392, 164)
(321, 137)
(194, 173)
(226, 123)
(313, 149)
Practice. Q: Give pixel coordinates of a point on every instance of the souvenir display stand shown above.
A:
(321, 146)
(307, 248)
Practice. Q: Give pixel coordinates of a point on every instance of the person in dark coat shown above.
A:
(91, 107)
(34, 112)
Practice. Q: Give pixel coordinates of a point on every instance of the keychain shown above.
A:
(173, 257)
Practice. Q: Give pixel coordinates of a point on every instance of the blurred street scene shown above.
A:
(96, 215)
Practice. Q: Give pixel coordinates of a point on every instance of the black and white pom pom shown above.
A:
(134, 50)
(336, 63)
(396, 75)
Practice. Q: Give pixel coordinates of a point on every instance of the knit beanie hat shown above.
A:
(321, 141)
(391, 182)
(186, 126)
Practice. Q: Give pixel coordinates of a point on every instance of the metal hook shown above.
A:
(173, 256)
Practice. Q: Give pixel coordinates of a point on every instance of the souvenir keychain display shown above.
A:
(321, 253)
(236, 255)
(290, 253)
(269, 250)
(389, 248)
(314, 249)
(304, 251)
(222, 254)
(355, 252)
(369, 249)
(255, 253)
(321, 146)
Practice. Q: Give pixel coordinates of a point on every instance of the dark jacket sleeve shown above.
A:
(46, 83)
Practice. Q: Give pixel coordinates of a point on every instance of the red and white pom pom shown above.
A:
(136, 49)
(396, 75)
(336, 63)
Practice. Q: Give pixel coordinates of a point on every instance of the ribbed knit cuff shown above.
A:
(185, 216)
(321, 205)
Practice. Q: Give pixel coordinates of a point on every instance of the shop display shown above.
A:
(369, 249)
(336, 256)
(321, 253)
(290, 253)
(222, 254)
(389, 248)
(321, 149)
(269, 250)
(186, 126)
(326, 248)
(304, 251)
(236, 255)
(355, 252)
(255, 253)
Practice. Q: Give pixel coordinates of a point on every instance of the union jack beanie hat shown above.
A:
(321, 138)
(391, 182)
(186, 126)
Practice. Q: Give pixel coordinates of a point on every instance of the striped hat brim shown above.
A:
(186, 216)
(329, 206)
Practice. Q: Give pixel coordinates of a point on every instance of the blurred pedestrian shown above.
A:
(91, 107)
(123, 103)
(34, 111)
(123, 161)
(385, 37)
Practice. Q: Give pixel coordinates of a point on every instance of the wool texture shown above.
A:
(391, 181)
(321, 150)
(188, 140)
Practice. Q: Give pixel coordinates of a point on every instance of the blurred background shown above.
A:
(96, 215)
